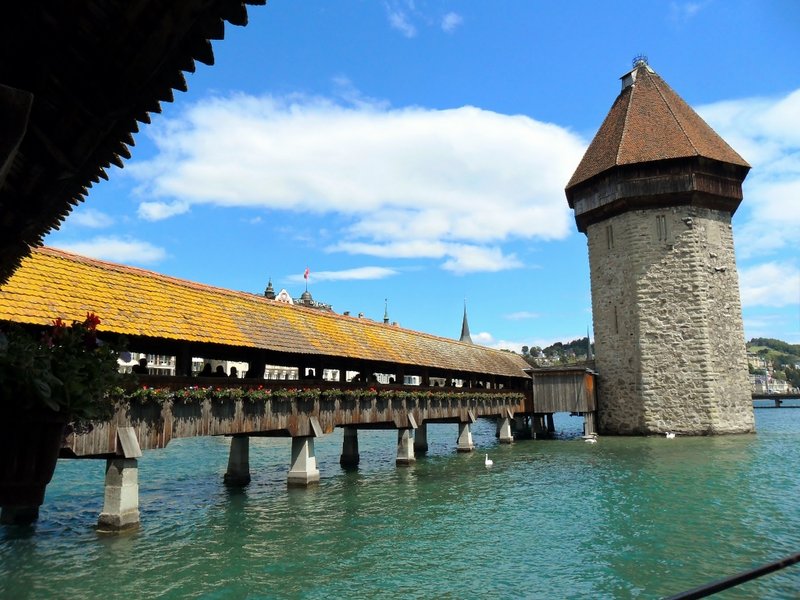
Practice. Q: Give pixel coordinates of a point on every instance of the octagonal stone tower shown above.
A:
(654, 194)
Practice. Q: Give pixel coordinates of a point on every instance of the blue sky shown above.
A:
(416, 151)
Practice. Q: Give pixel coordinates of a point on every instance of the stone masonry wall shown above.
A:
(669, 339)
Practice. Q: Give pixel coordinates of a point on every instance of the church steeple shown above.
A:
(465, 337)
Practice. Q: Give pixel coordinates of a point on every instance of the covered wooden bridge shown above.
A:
(163, 315)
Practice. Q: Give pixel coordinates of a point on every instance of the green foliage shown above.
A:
(331, 394)
(233, 393)
(146, 395)
(560, 353)
(258, 394)
(777, 345)
(66, 370)
(777, 353)
(792, 376)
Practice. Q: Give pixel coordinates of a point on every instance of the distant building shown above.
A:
(157, 364)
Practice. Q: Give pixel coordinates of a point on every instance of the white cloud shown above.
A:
(484, 338)
(522, 315)
(460, 258)
(470, 259)
(450, 184)
(487, 339)
(766, 132)
(91, 218)
(451, 21)
(684, 11)
(770, 284)
(399, 20)
(156, 211)
(359, 273)
(115, 249)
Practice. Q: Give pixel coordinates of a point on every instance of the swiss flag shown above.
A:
(305, 274)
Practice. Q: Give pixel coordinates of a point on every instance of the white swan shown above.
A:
(488, 461)
(669, 435)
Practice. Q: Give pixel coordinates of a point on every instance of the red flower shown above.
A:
(58, 323)
(92, 321)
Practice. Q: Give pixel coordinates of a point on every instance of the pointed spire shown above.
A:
(386, 311)
(465, 337)
(270, 291)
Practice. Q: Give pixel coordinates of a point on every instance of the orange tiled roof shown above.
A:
(135, 302)
(649, 121)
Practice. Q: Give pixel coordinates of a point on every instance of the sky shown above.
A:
(413, 154)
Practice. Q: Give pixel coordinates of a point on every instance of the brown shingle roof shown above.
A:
(75, 77)
(51, 283)
(647, 122)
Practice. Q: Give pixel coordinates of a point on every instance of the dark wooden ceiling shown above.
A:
(76, 79)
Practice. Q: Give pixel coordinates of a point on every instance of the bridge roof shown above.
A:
(75, 77)
(648, 122)
(51, 283)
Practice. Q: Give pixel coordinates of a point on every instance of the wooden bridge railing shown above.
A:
(167, 408)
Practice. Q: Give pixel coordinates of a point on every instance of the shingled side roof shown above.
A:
(75, 77)
(647, 122)
(51, 283)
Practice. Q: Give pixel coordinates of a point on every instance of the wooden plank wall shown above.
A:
(564, 390)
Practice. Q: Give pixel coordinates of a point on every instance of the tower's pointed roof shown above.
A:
(648, 122)
(465, 336)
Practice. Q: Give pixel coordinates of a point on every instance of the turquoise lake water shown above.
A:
(623, 518)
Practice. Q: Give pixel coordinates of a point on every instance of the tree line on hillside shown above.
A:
(782, 356)
(559, 353)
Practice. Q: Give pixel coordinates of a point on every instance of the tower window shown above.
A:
(610, 236)
(616, 321)
(661, 228)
